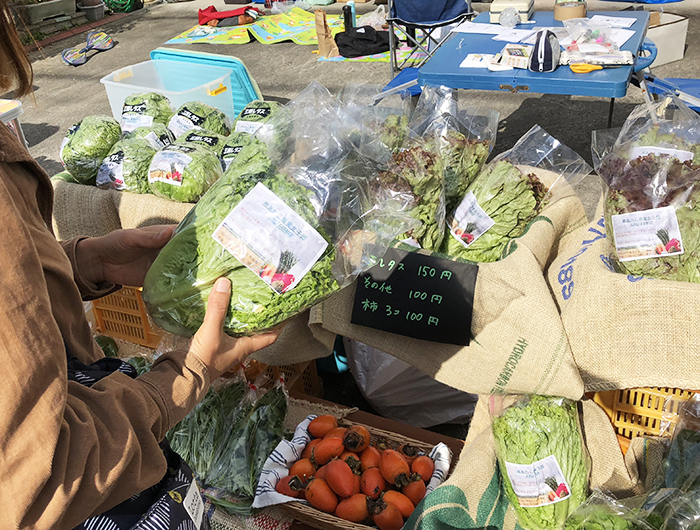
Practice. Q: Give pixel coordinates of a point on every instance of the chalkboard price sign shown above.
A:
(417, 296)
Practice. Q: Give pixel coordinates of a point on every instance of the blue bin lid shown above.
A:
(243, 88)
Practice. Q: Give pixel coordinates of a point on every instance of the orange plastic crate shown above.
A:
(301, 377)
(640, 411)
(122, 315)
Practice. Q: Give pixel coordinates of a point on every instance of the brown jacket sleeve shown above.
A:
(68, 452)
(88, 290)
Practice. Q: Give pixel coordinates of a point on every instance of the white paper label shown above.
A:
(647, 234)
(469, 221)
(250, 127)
(193, 505)
(64, 142)
(538, 484)
(111, 172)
(683, 156)
(271, 239)
(155, 142)
(168, 167)
(180, 125)
(133, 121)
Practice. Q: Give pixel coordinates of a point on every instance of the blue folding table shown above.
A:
(443, 67)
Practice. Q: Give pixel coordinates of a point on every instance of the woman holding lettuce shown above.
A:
(80, 435)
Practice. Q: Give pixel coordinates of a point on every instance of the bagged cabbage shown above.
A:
(543, 460)
(508, 194)
(212, 141)
(265, 226)
(143, 110)
(183, 173)
(126, 166)
(254, 114)
(196, 115)
(651, 176)
(157, 135)
(86, 145)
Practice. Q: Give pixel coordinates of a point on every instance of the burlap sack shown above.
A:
(474, 497)
(520, 345)
(624, 331)
(89, 211)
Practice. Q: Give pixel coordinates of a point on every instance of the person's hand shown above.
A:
(219, 352)
(122, 256)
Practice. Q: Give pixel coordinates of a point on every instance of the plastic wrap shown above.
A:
(287, 227)
(509, 193)
(253, 115)
(212, 141)
(651, 192)
(197, 115)
(376, 19)
(86, 145)
(592, 43)
(126, 166)
(542, 458)
(143, 110)
(603, 512)
(157, 135)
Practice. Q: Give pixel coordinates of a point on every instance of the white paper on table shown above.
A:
(615, 22)
(592, 48)
(471, 27)
(477, 60)
(619, 36)
(514, 35)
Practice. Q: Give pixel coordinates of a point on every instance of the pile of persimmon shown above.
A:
(342, 472)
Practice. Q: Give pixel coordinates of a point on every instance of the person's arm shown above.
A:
(88, 289)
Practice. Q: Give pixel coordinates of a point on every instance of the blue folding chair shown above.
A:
(418, 22)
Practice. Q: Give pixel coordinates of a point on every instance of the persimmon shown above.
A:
(409, 452)
(309, 447)
(321, 425)
(353, 460)
(424, 466)
(327, 450)
(398, 499)
(303, 469)
(394, 467)
(338, 432)
(321, 496)
(415, 489)
(370, 457)
(372, 483)
(321, 472)
(356, 486)
(353, 509)
(290, 486)
(356, 439)
(340, 478)
(387, 516)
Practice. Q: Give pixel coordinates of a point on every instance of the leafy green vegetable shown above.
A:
(86, 145)
(683, 460)
(141, 364)
(235, 144)
(511, 199)
(394, 131)
(64, 176)
(178, 283)
(462, 159)
(530, 431)
(157, 135)
(601, 512)
(212, 141)
(126, 166)
(108, 344)
(254, 114)
(415, 175)
(196, 115)
(143, 110)
(183, 173)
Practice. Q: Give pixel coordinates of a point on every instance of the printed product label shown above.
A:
(194, 505)
(111, 172)
(647, 234)
(184, 121)
(538, 484)
(263, 112)
(168, 167)
(683, 156)
(250, 127)
(211, 141)
(157, 142)
(133, 121)
(271, 239)
(229, 153)
(469, 221)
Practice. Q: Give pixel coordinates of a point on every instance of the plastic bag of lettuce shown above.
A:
(143, 110)
(267, 226)
(651, 176)
(157, 135)
(197, 115)
(86, 145)
(126, 166)
(509, 193)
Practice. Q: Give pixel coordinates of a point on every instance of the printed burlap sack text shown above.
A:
(624, 331)
(473, 496)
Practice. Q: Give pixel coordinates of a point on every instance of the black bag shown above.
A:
(364, 40)
(546, 52)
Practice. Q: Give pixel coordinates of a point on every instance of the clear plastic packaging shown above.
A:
(542, 458)
(511, 191)
(288, 227)
(603, 512)
(157, 135)
(86, 145)
(592, 43)
(651, 190)
(376, 19)
(126, 166)
(143, 110)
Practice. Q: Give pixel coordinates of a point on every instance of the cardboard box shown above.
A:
(669, 36)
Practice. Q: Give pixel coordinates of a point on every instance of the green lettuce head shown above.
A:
(143, 110)
(157, 135)
(254, 114)
(86, 145)
(183, 173)
(196, 115)
(212, 141)
(126, 166)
